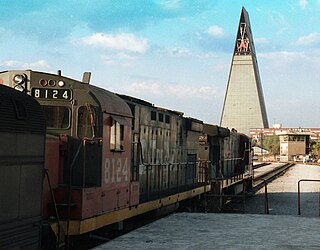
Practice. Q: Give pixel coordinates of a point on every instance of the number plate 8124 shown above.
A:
(64, 94)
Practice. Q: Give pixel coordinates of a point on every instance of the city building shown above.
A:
(294, 146)
(257, 134)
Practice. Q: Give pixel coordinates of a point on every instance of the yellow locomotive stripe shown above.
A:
(77, 227)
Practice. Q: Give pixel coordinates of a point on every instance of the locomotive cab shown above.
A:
(92, 129)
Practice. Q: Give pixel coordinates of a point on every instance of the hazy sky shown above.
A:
(173, 53)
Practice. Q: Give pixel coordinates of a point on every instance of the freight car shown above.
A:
(22, 132)
(108, 158)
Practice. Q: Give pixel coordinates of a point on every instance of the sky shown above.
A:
(175, 54)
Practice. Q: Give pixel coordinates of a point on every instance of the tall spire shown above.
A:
(244, 106)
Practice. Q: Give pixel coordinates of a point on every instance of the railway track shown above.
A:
(261, 165)
(260, 180)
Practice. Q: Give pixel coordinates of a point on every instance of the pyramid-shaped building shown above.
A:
(244, 106)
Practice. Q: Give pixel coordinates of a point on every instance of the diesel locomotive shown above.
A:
(22, 132)
(110, 157)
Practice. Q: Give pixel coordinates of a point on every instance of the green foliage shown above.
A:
(272, 144)
(314, 148)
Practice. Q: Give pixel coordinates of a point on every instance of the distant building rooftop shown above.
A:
(256, 133)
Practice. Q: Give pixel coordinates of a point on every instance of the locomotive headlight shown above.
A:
(18, 79)
(61, 83)
(19, 87)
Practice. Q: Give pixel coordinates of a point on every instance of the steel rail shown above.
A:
(269, 176)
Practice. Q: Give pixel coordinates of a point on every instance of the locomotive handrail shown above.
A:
(69, 191)
(55, 208)
(232, 159)
(299, 196)
(240, 158)
(141, 154)
(191, 179)
(168, 163)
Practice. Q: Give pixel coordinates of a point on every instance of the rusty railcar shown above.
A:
(165, 150)
(228, 155)
(22, 132)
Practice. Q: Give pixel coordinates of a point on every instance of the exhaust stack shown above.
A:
(86, 77)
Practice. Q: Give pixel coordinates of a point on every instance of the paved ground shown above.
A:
(283, 193)
(282, 229)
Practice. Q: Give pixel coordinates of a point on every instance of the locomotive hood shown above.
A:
(110, 102)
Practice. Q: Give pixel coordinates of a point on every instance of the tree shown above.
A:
(272, 144)
(314, 148)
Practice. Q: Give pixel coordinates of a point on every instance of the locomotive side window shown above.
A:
(153, 116)
(168, 119)
(117, 133)
(86, 121)
(160, 117)
(57, 117)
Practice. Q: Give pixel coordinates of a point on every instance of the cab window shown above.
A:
(57, 117)
(86, 122)
(117, 133)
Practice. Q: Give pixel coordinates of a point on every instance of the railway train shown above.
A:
(111, 157)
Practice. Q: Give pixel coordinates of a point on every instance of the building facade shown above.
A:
(257, 134)
(293, 146)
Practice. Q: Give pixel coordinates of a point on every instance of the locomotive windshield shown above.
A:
(57, 117)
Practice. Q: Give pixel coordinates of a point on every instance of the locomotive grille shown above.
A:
(24, 235)
(20, 113)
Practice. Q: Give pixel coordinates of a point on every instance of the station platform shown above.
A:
(282, 228)
(223, 231)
